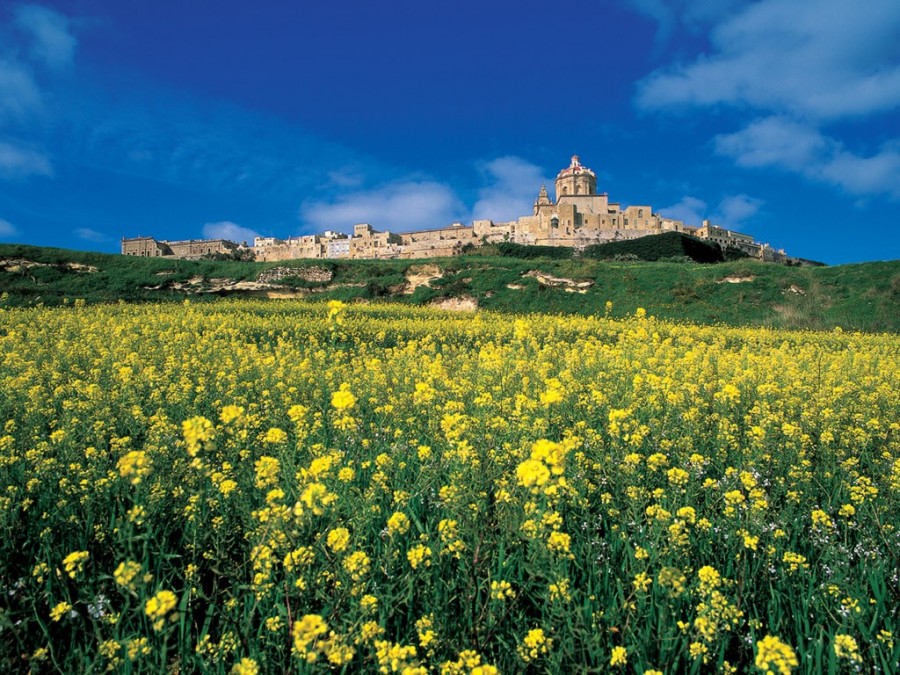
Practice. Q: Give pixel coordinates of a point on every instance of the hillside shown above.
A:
(855, 297)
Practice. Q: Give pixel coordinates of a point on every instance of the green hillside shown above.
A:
(745, 292)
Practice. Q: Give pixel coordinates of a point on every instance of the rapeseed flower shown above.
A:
(343, 399)
(775, 657)
(534, 645)
(159, 606)
(338, 539)
(74, 563)
(59, 611)
(306, 633)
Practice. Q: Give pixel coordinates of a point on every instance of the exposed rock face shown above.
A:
(311, 274)
(463, 303)
(420, 275)
(735, 279)
(224, 286)
(20, 264)
(558, 282)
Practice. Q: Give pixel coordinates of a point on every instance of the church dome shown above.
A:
(575, 169)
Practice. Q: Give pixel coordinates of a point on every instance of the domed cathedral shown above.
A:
(579, 216)
(575, 180)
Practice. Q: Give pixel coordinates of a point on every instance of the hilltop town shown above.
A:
(578, 217)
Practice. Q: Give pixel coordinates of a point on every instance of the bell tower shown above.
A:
(543, 199)
(575, 181)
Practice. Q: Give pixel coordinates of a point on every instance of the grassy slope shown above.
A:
(855, 297)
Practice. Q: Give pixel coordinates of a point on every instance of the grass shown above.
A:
(862, 297)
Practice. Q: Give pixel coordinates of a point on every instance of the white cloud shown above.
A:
(735, 209)
(52, 41)
(822, 59)
(773, 141)
(19, 162)
(19, 95)
(346, 177)
(778, 142)
(7, 229)
(88, 234)
(225, 229)
(398, 206)
(865, 175)
(805, 64)
(513, 186)
(731, 211)
(690, 210)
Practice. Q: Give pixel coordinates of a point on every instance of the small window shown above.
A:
(565, 189)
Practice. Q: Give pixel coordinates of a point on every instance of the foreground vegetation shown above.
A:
(249, 486)
(740, 293)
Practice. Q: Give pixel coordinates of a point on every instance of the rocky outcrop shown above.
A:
(312, 274)
(20, 265)
(463, 303)
(558, 282)
(420, 275)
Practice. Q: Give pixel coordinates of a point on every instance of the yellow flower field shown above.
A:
(268, 487)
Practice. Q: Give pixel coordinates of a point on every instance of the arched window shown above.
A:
(565, 189)
(554, 222)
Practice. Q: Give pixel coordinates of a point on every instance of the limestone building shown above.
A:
(579, 217)
(149, 247)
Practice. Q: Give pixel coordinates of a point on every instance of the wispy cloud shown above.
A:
(731, 212)
(20, 162)
(398, 206)
(52, 41)
(19, 93)
(155, 133)
(734, 210)
(778, 142)
(694, 15)
(7, 229)
(690, 210)
(512, 186)
(773, 141)
(225, 229)
(88, 234)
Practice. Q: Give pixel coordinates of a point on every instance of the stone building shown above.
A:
(188, 248)
(579, 217)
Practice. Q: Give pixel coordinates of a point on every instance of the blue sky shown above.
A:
(780, 118)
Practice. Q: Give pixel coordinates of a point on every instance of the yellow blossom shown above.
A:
(159, 606)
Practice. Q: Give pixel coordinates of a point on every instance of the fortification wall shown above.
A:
(579, 218)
